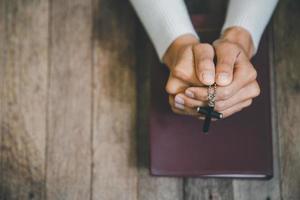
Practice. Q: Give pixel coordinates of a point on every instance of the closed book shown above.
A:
(239, 146)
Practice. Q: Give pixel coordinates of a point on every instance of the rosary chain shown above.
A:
(212, 94)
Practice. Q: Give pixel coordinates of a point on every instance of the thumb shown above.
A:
(205, 68)
(226, 59)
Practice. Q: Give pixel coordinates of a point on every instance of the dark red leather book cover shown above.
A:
(238, 146)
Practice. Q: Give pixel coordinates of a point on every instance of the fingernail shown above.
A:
(179, 100)
(208, 77)
(179, 106)
(223, 78)
(189, 94)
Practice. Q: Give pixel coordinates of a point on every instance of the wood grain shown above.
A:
(74, 103)
(2, 66)
(23, 74)
(208, 189)
(149, 187)
(287, 59)
(114, 101)
(69, 101)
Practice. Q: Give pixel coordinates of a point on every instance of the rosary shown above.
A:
(208, 111)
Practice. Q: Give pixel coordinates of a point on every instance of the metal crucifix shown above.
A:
(208, 111)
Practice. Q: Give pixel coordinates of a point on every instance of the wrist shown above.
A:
(241, 37)
(170, 56)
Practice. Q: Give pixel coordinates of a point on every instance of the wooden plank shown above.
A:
(286, 52)
(2, 66)
(149, 187)
(69, 108)
(114, 117)
(208, 189)
(159, 187)
(23, 74)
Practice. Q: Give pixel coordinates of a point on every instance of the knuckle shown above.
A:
(168, 89)
(219, 106)
(256, 90)
(172, 87)
(200, 95)
(226, 45)
(205, 46)
(252, 73)
(225, 64)
(188, 103)
(204, 49)
(185, 50)
(197, 47)
(205, 64)
(179, 73)
(217, 42)
(225, 60)
(225, 94)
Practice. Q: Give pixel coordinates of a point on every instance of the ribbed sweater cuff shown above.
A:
(252, 15)
(169, 20)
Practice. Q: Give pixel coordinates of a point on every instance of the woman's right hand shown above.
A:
(191, 64)
(235, 75)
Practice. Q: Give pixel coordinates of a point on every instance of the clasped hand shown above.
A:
(192, 69)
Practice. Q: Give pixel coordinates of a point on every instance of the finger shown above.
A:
(243, 75)
(178, 109)
(226, 54)
(188, 102)
(248, 92)
(184, 67)
(198, 93)
(205, 68)
(230, 111)
(175, 85)
(181, 108)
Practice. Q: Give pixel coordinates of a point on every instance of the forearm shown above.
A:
(251, 15)
(164, 21)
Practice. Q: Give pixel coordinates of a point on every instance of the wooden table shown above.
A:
(74, 90)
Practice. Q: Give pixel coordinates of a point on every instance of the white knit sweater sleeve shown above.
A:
(252, 15)
(164, 21)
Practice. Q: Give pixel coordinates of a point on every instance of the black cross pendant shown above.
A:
(209, 114)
